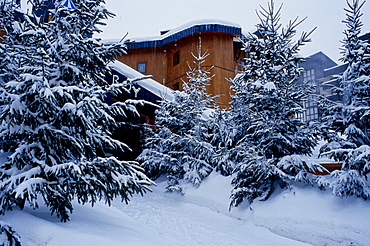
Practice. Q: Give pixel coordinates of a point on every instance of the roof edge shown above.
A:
(183, 31)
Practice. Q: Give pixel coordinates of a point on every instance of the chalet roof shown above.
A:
(186, 30)
(157, 91)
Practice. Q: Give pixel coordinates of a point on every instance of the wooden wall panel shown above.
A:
(221, 56)
(155, 59)
(160, 61)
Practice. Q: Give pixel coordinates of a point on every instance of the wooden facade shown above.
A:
(167, 57)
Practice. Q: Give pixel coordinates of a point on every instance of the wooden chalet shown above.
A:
(166, 57)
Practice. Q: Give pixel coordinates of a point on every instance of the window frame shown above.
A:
(138, 67)
(176, 58)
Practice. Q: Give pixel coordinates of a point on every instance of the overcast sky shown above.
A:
(145, 18)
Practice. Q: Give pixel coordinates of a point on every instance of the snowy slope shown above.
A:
(315, 217)
(301, 216)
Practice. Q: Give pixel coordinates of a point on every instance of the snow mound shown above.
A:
(300, 216)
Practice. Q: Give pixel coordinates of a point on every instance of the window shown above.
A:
(312, 111)
(141, 67)
(176, 86)
(176, 58)
(309, 76)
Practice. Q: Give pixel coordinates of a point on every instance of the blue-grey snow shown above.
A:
(299, 216)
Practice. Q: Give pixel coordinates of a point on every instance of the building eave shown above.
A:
(193, 29)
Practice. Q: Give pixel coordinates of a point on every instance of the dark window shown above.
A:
(141, 67)
(176, 86)
(309, 76)
(176, 58)
(312, 111)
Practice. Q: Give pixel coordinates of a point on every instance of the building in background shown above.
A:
(324, 73)
(314, 69)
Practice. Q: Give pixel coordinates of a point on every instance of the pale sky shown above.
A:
(145, 18)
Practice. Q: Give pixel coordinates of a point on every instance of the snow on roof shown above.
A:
(204, 25)
(148, 84)
(200, 23)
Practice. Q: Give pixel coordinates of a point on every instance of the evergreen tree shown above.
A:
(180, 146)
(6, 64)
(346, 125)
(8, 236)
(222, 138)
(265, 106)
(54, 121)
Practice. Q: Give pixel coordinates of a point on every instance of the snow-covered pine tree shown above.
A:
(8, 236)
(265, 106)
(180, 145)
(347, 124)
(6, 63)
(54, 119)
(223, 135)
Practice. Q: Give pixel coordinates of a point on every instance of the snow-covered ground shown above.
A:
(300, 216)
